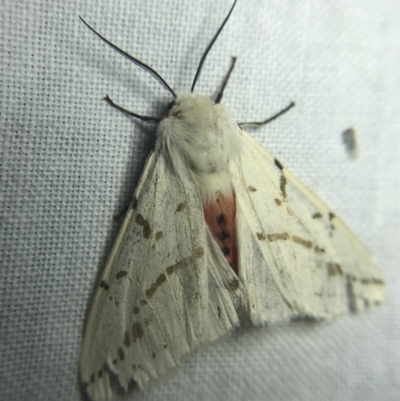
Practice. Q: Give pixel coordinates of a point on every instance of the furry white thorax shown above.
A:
(202, 138)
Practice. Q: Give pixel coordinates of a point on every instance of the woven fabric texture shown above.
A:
(69, 163)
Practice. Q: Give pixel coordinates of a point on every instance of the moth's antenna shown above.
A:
(196, 77)
(134, 60)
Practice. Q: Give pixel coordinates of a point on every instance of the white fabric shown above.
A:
(70, 163)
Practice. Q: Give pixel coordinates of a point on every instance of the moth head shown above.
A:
(200, 135)
(201, 128)
(190, 107)
(192, 117)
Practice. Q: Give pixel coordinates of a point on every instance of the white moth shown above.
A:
(349, 138)
(216, 227)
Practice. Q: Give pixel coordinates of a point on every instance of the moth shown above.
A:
(217, 227)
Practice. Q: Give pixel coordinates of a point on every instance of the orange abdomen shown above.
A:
(220, 217)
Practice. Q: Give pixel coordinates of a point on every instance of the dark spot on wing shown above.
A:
(121, 354)
(153, 355)
(142, 222)
(198, 252)
(151, 291)
(283, 183)
(278, 236)
(126, 341)
(219, 312)
(331, 269)
(121, 274)
(334, 269)
(278, 164)
(318, 249)
(317, 215)
(372, 281)
(100, 373)
(181, 206)
(143, 302)
(104, 285)
(135, 310)
(92, 378)
(159, 235)
(134, 202)
(278, 202)
(301, 241)
(137, 332)
(252, 189)
(261, 236)
(233, 284)
(331, 215)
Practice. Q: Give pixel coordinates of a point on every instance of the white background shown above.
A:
(70, 163)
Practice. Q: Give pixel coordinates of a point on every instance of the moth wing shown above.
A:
(297, 257)
(165, 290)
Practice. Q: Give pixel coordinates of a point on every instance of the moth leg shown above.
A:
(268, 120)
(221, 92)
(131, 113)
